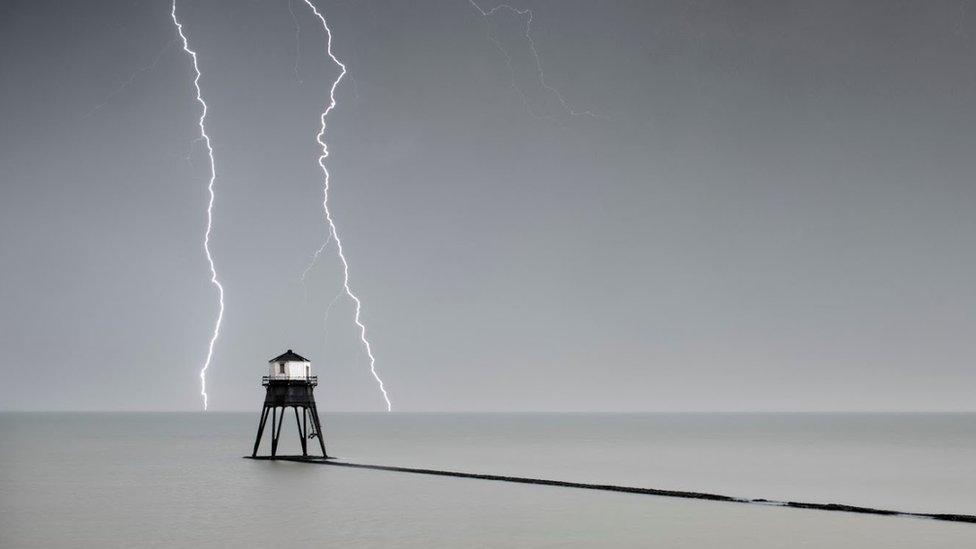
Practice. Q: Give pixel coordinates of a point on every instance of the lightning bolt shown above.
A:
(298, 41)
(311, 264)
(210, 187)
(527, 15)
(333, 233)
(325, 318)
(130, 80)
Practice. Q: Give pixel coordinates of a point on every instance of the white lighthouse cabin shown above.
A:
(289, 365)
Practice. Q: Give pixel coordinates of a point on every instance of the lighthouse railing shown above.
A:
(311, 380)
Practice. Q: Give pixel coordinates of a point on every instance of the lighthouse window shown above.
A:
(281, 367)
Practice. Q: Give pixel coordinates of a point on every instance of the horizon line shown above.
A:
(566, 412)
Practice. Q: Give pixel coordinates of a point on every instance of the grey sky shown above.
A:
(774, 210)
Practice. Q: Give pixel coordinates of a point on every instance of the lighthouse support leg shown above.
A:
(274, 423)
(257, 440)
(277, 436)
(301, 433)
(318, 429)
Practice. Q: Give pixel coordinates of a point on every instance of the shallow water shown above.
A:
(118, 480)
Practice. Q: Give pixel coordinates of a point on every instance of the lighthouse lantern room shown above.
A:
(289, 365)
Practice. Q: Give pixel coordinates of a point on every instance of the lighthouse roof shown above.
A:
(289, 356)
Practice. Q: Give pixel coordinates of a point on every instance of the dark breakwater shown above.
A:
(836, 507)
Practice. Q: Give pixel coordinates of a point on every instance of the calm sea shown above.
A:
(178, 480)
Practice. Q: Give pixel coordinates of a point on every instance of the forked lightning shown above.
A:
(210, 204)
(333, 233)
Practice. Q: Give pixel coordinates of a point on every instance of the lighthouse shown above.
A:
(290, 384)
